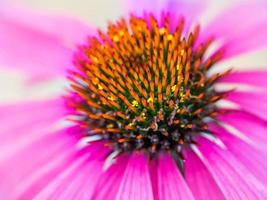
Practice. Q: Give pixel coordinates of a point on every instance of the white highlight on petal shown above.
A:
(110, 159)
(215, 140)
(222, 87)
(232, 130)
(227, 104)
(85, 141)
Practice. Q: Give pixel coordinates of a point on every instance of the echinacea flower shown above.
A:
(145, 113)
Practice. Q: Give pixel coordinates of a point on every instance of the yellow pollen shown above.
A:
(169, 37)
(100, 87)
(111, 98)
(121, 33)
(116, 38)
(162, 31)
(173, 88)
(150, 99)
(135, 103)
(131, 124)
(95, 60)
(110, 126)
(182, 52)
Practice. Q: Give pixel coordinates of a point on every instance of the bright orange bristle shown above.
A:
(144, 85)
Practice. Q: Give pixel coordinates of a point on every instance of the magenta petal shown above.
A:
(171, 184)
(153, 167)
(199, 179)
(255, 78)
(37, 49)
(136, 184)
(239, 31)
(77, 179)
(252, 102)
(235, 181)
(109, 182)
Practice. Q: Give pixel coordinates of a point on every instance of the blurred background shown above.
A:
(92, 11)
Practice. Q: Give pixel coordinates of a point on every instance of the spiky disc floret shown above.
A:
(143, 86)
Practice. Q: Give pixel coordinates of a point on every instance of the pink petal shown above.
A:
(153, 168)
(109, 182)
(46, 172)
(171, 184)
(241, 28)
(253, 159)
(32, 119)
(254, 38)
(255, 78)
(36, 46)
(34, 153)
(25, 132)
(136, 184)
(38, 164)
(252, 102)
(235, 181)
(252, 127)
(76, 180)
(72, 31)
(199, 179)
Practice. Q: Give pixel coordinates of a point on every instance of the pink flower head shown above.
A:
(146, 112)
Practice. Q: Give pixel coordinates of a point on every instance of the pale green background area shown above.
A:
(97, 12)
(93, 11)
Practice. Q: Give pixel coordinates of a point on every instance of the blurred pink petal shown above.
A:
(71, 182)
(40, 119)
(252, 102)
(29, 141)
(27, 45)
(36, 144)
(72, 31)
(38, 164)
(255, 78)
(241, 28)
